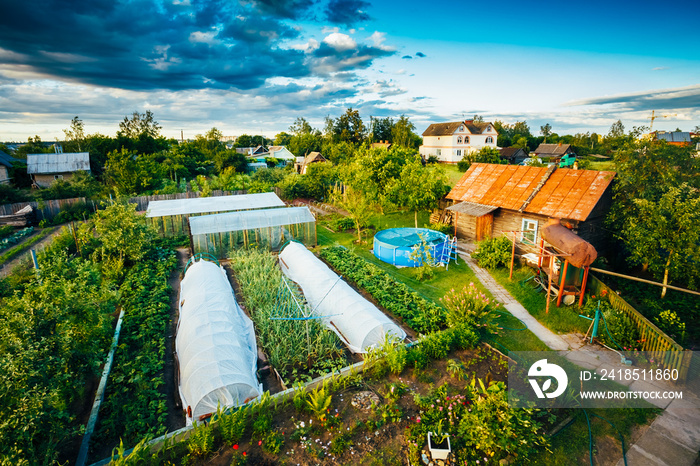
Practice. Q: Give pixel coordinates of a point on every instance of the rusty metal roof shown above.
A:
(566, 193)
(471, 208)
(58, 163)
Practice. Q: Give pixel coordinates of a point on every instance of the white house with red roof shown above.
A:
(449, 142)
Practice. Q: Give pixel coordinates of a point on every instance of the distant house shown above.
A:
(552, 153)
(513, 155)
(5, 166)
(449, 142)
(490, 200)
(281, 153)
(250, 151)
(44, 169)
(675, 138)
(303, 164)
(381, 145)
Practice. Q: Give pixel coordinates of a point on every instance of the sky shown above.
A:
(254, 66)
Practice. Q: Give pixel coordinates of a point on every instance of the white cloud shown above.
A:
(204, 37)
(340, 42)
(310, 46)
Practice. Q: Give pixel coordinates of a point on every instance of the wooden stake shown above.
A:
(549, 286)
(563, 279)
(583, 286)
(512, 259)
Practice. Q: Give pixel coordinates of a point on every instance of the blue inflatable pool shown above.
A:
(396, 244)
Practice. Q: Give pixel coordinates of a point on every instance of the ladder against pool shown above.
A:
(449, 252)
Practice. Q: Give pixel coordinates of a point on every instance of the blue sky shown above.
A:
(249, 66)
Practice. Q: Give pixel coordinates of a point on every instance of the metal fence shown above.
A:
(662, 347)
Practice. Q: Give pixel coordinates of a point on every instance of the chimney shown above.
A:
(559, 143)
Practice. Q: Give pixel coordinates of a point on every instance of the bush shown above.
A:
(343, 224)
(443, 228)
(493, 252)
(471, 307)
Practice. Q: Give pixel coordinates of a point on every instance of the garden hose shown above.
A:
(622, 439)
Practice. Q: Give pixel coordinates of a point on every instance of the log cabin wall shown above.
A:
(511, 220)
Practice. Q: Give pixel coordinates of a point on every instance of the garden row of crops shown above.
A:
(397, 298)
(296, 348)
(55, 329)
(15, 237)
(135, 405)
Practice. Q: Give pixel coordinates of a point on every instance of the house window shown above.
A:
(459, 151)
(529, 231)
(439, 152)
(461, 128)
(489, 140)
(466, 139)
(459, 139)
(58, 177)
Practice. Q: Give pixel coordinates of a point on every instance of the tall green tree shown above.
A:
(381, 129)
(402, 133)
(139, 124)
(357, 203)
(75, 135)
(546, 131)
(418, 187)
(664, 235)
(300, 126)
(349, 127)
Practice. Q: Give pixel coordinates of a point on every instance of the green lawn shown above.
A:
(605, 165)
(453, 173)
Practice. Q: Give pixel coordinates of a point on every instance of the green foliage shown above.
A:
(470, 306)
(484, 155)
(616, 330)
(443, 228)
(357, 204)
(672, 325)
(134, 403)
(9, 237)
(284, 341)
(319, 401)
(53, 337)
(272, 442)
(201, 441)
(421, 254)
(395, 297)
(232, 425)
(493, 252)
(10, 195)
(418, 187)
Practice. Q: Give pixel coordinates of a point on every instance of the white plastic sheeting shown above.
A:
(215, 343)
(355, 320)
(250, 220)
(201, 205)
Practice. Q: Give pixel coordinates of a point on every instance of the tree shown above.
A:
(139, 124)
(381, 129)
(300, 126)
(357, 204)
(33, 146)
(664, 235)
(478, 119)
(484, 155)
(419, 187)
(282, 139)
(75, 135)
(349, 127)
(301, 144)
(546, 131)
(402, 133)
(617, 130)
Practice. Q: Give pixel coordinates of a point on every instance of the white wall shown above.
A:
(448, 145)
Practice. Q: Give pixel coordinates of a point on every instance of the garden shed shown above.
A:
(490, 200)
(215, 344)
(271, 228)
(169, 217)
(356, 321)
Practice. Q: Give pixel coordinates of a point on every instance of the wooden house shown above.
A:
(6, 162)
(513, 155)
(311, 157)
(45, 169)
(552, 153)
(490, 200)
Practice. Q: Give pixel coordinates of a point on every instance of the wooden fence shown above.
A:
(47, 210)
(660, 346)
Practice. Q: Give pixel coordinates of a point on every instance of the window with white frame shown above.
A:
(529, 231)
(58, 177)
(461, 128)
(466, 139)
(459, 139)
(489, 140)
(459, 151)
(439, 152)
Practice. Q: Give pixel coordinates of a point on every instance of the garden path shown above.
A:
(672, 439)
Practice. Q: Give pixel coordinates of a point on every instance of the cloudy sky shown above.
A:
(248, 66)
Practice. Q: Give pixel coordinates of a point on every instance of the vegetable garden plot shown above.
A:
(354, 319)
(215, 344)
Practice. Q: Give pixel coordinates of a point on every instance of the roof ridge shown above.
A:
(539, 186)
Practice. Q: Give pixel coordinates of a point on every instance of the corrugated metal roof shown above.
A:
(570, 194)
(675, 136)
(7, 160)
(472, 208)
(249, 220)
(202, 205)
(551, 150)
(58, 163)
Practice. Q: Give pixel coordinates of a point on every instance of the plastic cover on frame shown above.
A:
(215, 343)
(355, 320)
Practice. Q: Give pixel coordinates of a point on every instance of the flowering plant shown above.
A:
(471, 306)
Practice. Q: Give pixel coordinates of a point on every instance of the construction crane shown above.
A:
(654, 117)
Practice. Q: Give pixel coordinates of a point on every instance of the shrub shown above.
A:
(671, 324)
(343, 224)
(443, 228)
(471, 307)
(232, 425)
(493, 252)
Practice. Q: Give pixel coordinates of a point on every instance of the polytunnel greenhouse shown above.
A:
(215, 344)
(355, 320)
(270, 228)
(169, 217)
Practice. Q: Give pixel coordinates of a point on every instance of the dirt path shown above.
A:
(6, 268)
(176, 418)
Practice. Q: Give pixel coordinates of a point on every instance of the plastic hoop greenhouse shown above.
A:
(358, 323)
(215, 344)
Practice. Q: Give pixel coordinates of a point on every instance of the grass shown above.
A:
(453, 173)
(607, 165)
(562, 319)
